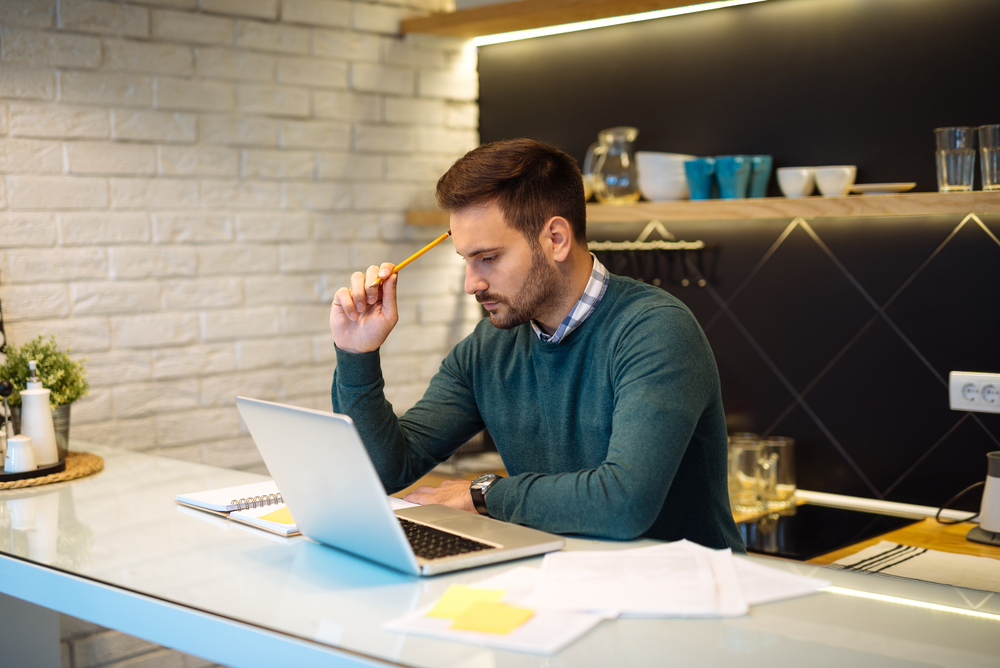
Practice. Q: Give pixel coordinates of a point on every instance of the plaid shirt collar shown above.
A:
(592, 295)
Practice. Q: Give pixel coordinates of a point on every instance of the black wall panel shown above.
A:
(811, 82)
(840, 333)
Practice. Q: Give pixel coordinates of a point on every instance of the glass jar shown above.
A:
(615, 179)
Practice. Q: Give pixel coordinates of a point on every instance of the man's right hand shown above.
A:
(363, 314)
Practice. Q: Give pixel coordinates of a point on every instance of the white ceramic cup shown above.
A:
(20, 456)
(796, 181)
(835, 181)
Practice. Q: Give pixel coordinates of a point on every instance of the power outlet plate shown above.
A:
(969, 391)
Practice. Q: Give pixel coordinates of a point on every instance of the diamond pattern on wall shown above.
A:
(961, 449)
(773, 310)
(954, 333)
(879, 375)
(841, 332)
(865, 360)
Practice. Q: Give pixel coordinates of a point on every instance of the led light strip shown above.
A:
(915, 604)
(499, 38)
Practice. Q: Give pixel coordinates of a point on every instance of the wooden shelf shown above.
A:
(527, 14)
(907, 204)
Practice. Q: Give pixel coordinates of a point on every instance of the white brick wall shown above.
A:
(183, 186)
(186, 183)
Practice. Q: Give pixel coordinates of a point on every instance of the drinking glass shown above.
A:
(989, 156)
(778, 473)
(744, 475)
(956, 158)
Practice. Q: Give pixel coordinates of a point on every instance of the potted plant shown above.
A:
(63, 377)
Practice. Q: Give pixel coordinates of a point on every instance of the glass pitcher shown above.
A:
(589, 162)
(615, 179)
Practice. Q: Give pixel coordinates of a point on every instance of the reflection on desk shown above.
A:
(807, 531)
(127, 557)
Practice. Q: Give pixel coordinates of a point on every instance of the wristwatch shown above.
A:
(478, 489)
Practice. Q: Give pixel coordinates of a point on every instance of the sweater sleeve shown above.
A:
(665, 379)
(405, 448)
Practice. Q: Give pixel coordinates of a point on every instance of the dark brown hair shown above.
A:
(530, 182)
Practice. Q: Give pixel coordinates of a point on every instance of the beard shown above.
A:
(540, 287)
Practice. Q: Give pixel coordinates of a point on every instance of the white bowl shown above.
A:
(661, 175)
(835, 181)
(796, 181)
(664, 189)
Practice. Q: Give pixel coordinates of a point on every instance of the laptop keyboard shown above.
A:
(430, 543)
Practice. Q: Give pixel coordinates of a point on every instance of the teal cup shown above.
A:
(733, 175)
(699, 175)
(760, 175)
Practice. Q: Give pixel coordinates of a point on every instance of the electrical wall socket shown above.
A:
(969, 391)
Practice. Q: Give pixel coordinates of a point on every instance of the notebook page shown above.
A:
(222, 499)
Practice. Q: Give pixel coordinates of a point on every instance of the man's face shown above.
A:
(513, 280)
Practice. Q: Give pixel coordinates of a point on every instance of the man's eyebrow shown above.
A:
(476, 252)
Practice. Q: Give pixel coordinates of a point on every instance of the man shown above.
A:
(601, 393)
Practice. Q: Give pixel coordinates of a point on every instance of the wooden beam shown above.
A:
(526, 14)
(427, 217)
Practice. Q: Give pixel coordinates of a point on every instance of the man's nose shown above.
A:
(473, 282)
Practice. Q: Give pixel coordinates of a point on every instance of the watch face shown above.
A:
(487, 477)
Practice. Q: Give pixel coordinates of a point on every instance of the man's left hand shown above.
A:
(454, 493)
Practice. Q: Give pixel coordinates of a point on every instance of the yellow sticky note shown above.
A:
(457, 598)
(491, 617)
(279, 516)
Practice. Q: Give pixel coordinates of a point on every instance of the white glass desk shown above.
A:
(116, 550)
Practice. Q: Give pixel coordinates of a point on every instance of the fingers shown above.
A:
(423, 495)
(389, 297)
(362, 292)
(453, 493)
(419, 498)
(382, 272)
(359, 296)
(344, 302)
(371, 288)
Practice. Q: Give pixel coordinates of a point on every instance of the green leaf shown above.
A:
(64, 377)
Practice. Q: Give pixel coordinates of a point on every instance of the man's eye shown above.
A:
(489, 258)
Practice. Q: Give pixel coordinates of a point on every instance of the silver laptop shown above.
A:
(330, 485)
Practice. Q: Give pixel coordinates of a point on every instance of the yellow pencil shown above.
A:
(378, 281)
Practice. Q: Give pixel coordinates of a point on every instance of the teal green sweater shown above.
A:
(616, 432)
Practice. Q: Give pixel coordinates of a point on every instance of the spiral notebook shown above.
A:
(258, 504)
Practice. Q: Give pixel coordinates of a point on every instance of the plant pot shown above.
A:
(60, 421)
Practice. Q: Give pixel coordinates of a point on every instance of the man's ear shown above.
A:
(559, 235)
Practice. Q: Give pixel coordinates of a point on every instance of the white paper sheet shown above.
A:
(678, 579)
(545, 633)
(575, 590)
(762, 584)
(399, 504)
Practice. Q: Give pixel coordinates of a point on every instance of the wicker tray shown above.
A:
(78, 465)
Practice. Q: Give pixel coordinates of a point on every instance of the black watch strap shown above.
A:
(478, 489)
